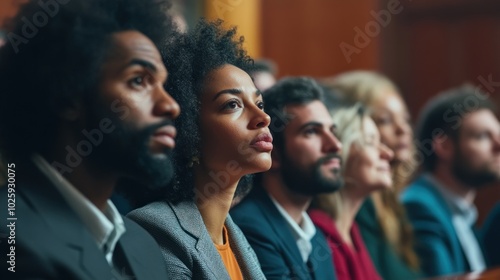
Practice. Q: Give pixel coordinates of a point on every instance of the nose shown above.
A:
(386, 153)
(331, 143)
(165, 105)
(259, 118)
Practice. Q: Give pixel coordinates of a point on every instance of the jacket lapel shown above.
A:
(66, 226)
(243, 252)
(281, 230)
(190, 219)
(441, 208)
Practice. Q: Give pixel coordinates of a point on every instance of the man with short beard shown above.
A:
(459, 142)
(305, 162)
(82, 105)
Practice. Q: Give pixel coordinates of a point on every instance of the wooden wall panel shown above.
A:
(303, 37)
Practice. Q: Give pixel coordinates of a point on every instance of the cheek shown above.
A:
(476, 152)
(364, 168)
(303, 152)
(387, 135)
(220, 136)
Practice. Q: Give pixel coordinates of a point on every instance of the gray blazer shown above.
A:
(186, 245)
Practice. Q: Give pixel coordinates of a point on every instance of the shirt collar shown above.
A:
(458, 205)
(305, 231)
(106, 227)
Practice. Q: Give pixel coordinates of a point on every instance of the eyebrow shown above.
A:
(315, 124)
(143, 63)
(233, 91)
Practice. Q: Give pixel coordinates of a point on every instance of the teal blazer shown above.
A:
(437, 243)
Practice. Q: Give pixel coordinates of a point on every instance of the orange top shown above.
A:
(232, 267)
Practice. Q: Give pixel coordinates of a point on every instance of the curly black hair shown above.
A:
(53, 56)
(189, 59)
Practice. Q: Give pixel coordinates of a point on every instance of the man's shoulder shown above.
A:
(420, 191)
(424, 203)
(252, 209)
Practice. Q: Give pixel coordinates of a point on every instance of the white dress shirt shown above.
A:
(302, 233)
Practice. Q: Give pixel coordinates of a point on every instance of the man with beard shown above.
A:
(459, 137)
(305, 162)
(82, 105)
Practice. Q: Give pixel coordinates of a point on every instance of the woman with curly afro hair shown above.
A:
(223, 136)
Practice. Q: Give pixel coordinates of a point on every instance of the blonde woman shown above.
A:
(382, 219)
(365, 169)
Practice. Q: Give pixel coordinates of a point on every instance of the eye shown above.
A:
(232, 104)
(137, 82)
(260, 104)
(482, 136)
(310, 131)
(384, 121)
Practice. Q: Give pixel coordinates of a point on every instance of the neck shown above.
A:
(294, 203)
(351, 202)
(213, 201)
(451, 183)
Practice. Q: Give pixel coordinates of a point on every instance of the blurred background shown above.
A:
(425, 46)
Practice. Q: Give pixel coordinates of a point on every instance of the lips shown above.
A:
(263, 142)
(332, 161)
(384, 168)
(165, 136)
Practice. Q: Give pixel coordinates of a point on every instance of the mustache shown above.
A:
(150, 130)
(329, 157)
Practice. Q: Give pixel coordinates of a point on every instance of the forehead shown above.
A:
(227, 77)
(129, 45)
(314, 111)
(482, 119)
(389, 100)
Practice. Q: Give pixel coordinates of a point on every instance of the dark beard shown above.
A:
(475, 178)
(310, 182)
(125, 150)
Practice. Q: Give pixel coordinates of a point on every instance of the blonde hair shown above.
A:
(366, 87)
(350, 131)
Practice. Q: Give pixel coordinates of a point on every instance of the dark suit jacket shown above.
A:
(52, 243)
(268, 234)
(490, 236)
(186, 245)
(437, 243)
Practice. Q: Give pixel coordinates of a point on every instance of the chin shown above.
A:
(264, 160)
(402, 156)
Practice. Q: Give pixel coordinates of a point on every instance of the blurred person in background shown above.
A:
(459, 140)
(264, 74)
(365, 169)
(382, 220)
